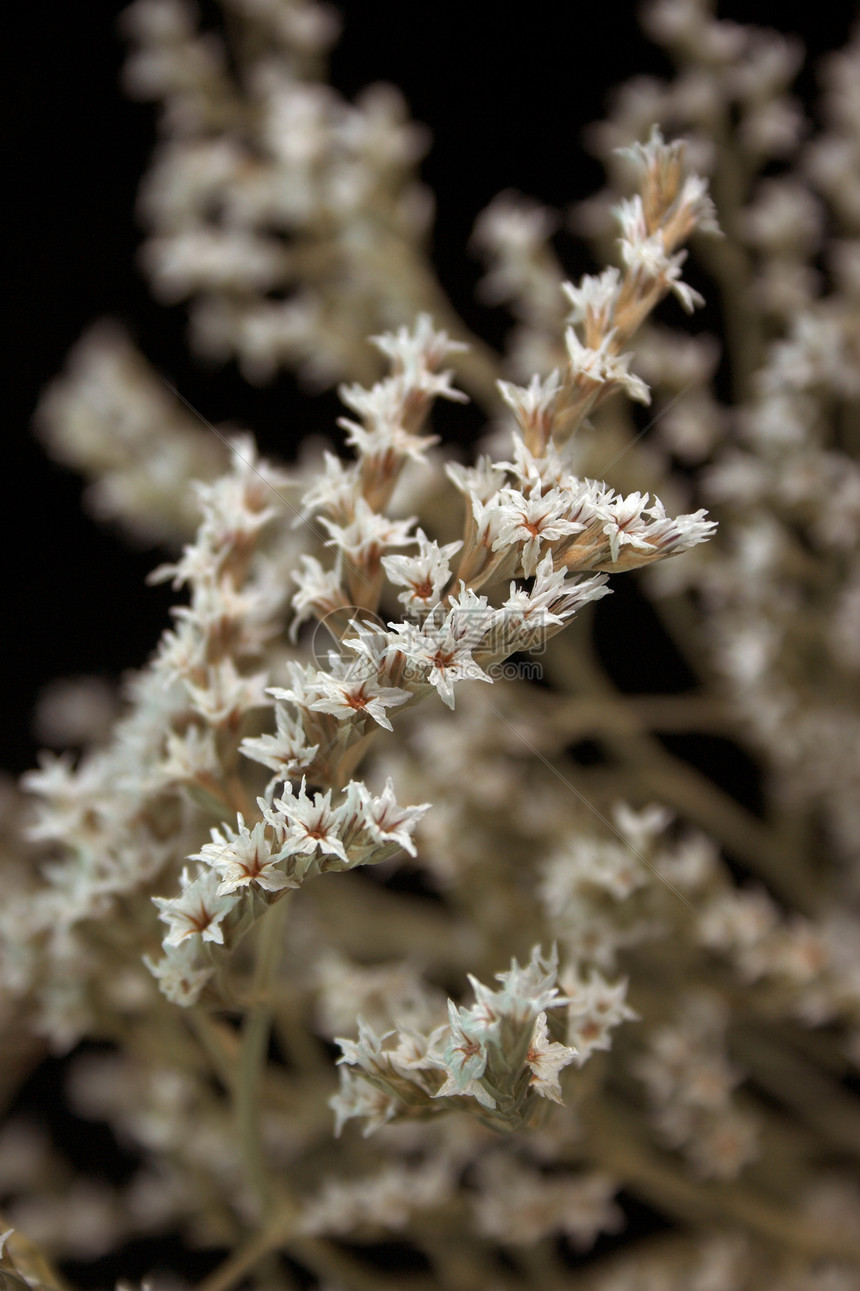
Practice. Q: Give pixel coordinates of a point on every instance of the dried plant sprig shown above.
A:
(610, 308)
(317, 621)
(497, 1052)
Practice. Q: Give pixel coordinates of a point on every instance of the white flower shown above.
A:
(481, 481)
(199, 910)
(546, 467)
(350, 690)
(595, 1007)
(736, 920)
(424, 575)
(533, 520)
(385, 439)
(593, 301)
(178, 974)
(358, 1098)
(198, 258)
(334, 490)
(464, 1058)
(546, 1058)
(366, 1051)
(365, 536)
(533, 405)
(384, 1199)
(313, 825)
(646, 257)
(513, 227)
(442, 647)
(673, 535)
(526, 991)
(625, 523)
(641, 828)
(371, 642)
(190, 755)
(320, 593)
(486, 1046)
(226, 694)
(388, 823)
(553, 598)
(392, 410)
(515, 1203)
(416, 354)
(302, 679)
(656, 156)
(604, 365)
(243, 857)
(287, 752)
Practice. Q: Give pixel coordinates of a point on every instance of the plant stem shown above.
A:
(243, 1260)
(219, 1043)
(322, 1257)
(253, 1052)
(658, 772)
(618, 1149)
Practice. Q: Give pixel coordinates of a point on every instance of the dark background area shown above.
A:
(506, 98)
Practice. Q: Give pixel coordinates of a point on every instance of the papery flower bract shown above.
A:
(287, 752)
(242, 857)
(464, 1058)
(199, 910)
(190, 756)
(553, 598)
(424, 575)
(371, 640)
(350, 689)
(625, 523)
(595, 1008)
(180, 977)
(368, 533)
(534, 405)
(527, 990)
(593, 300)
(387, 822)
(441, 648)
(545, 1059)
(604, 365)
(384, 441)
(533, 520)
(481, 481)
(313, 825)
(647, 258)
(417, 353)
(671, 535)
(226, 693)
(358, 1098)
(333, 492)
(320, 593)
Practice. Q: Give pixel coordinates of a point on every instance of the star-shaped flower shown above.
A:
(546, 1058)
(199, 910)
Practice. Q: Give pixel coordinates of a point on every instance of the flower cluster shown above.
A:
(497, 1052)
(298, 837)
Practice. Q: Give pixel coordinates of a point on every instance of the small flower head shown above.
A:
(198, 911)
(243, 858)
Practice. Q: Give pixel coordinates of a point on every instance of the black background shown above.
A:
(506, 98)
